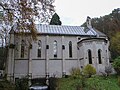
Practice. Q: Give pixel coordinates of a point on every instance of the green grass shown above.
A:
(101, 83)
(94, 83)
(71, 83)
(67, 84)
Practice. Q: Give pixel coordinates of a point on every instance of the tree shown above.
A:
(2, 54)
(116, 65)
(109, 25)
(22, 14)
(55, 20)
(115, 45)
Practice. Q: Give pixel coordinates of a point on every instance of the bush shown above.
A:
(22, 84)
(108, 70)
(6, 85)
(89, 70)
(53, 83)
(75, 72)
(116, 65)
(119, 80)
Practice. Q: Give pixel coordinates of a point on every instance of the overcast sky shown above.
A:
(74, 12)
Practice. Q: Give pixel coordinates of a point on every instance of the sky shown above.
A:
(75, 12)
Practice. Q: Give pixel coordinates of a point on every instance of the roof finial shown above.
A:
(88, 21)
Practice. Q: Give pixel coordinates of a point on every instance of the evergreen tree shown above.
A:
(55, 20)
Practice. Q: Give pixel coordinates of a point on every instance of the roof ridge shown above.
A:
(58, 25)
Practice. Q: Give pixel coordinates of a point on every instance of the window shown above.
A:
(99, 57)
(79, 38)
(22, 48)
(55, 48)
(39, 48)
(90, 56)
(70, 49)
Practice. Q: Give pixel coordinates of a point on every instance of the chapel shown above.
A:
(56, 51)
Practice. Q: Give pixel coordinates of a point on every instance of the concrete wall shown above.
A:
(38, 68)
(94, 45)
(71, 64)
(21, 68)
(55, 66)
(47, 63)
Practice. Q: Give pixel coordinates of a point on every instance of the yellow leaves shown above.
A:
(22, 13)
(89, 70)
(27, 29)
(10, 16)
(33, 31)
(115, 42)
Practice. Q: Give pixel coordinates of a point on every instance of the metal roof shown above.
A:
(64, 30)
(100, 33)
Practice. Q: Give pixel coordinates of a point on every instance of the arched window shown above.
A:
(22, 48)
(55, 48)
(39, 48)
(99, 57)
(70, 49)
(90, 56)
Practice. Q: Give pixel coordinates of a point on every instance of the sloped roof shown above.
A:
(64, 30)
(100, 33)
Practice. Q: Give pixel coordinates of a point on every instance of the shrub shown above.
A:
(6, 85)
(119, 80)
(22, 84)
(108, 70)
(53, 83)
(75, 72)
(116, 65)
(89, 70)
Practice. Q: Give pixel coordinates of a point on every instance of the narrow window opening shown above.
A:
(90, 56)
(55, 48)
(39, 48)
(70, 49)
(22, 48)
(99, 57)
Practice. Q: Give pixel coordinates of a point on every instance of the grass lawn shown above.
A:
(94, 83)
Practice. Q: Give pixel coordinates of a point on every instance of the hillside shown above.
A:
(110, 25)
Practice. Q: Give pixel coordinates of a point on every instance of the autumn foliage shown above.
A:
(89, 70)
(21, 15)
(110, 25)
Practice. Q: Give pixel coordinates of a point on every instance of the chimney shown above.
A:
(88, 22)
